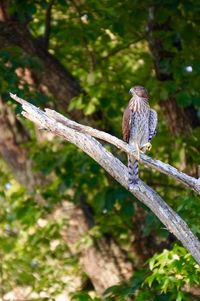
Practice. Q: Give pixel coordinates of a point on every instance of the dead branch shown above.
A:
(81, 137)
(167, 169)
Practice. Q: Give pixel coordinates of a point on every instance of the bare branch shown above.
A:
(167, 169)
(118, 171)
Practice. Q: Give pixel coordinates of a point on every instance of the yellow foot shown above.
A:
(145, 147)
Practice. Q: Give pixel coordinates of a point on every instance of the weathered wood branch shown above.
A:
(167, 169)
(117, 170)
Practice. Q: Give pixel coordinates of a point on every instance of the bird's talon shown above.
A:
(149, 147)
(145, 147)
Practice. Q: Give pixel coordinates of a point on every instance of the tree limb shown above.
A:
(181, 177)
(118, 171)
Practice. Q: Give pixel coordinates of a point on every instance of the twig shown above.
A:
(118, 171)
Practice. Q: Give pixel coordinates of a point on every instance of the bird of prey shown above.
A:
(139, 127)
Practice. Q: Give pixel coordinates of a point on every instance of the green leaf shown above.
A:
(184, 99)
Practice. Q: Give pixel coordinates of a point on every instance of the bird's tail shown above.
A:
(132, 171)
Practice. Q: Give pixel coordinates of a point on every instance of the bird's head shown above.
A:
(140, 91)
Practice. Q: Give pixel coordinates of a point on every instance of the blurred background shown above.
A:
(68, 231)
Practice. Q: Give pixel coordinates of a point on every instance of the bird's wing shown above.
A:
(153, 120)
(126, 124)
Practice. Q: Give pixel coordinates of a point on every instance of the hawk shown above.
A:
(139, 127)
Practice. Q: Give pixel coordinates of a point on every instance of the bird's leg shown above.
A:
(146, 146)
(136, 151)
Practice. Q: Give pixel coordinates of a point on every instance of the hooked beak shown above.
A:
(131, 91)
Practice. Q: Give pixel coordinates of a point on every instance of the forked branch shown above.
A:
(181, 177)
(81, 136)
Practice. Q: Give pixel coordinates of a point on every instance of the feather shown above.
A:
(132, 171)
(153, 120)
(139, 127)
(126, 124)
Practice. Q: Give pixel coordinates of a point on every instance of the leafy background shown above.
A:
(48, 186)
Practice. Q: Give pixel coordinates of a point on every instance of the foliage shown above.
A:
(104, 45)
(33, 253)
(172, 270)
(171, 273)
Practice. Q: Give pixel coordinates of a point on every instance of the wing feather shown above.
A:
(126, 124)
(153, 120)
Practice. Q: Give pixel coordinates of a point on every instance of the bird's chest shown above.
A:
(139, 129)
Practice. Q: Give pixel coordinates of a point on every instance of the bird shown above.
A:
(138, 127)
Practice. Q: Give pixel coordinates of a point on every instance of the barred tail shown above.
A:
(132, 171)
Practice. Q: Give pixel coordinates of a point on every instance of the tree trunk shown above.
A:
(103, 261)
(52, 74)
(179, 120)
(12, 136)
